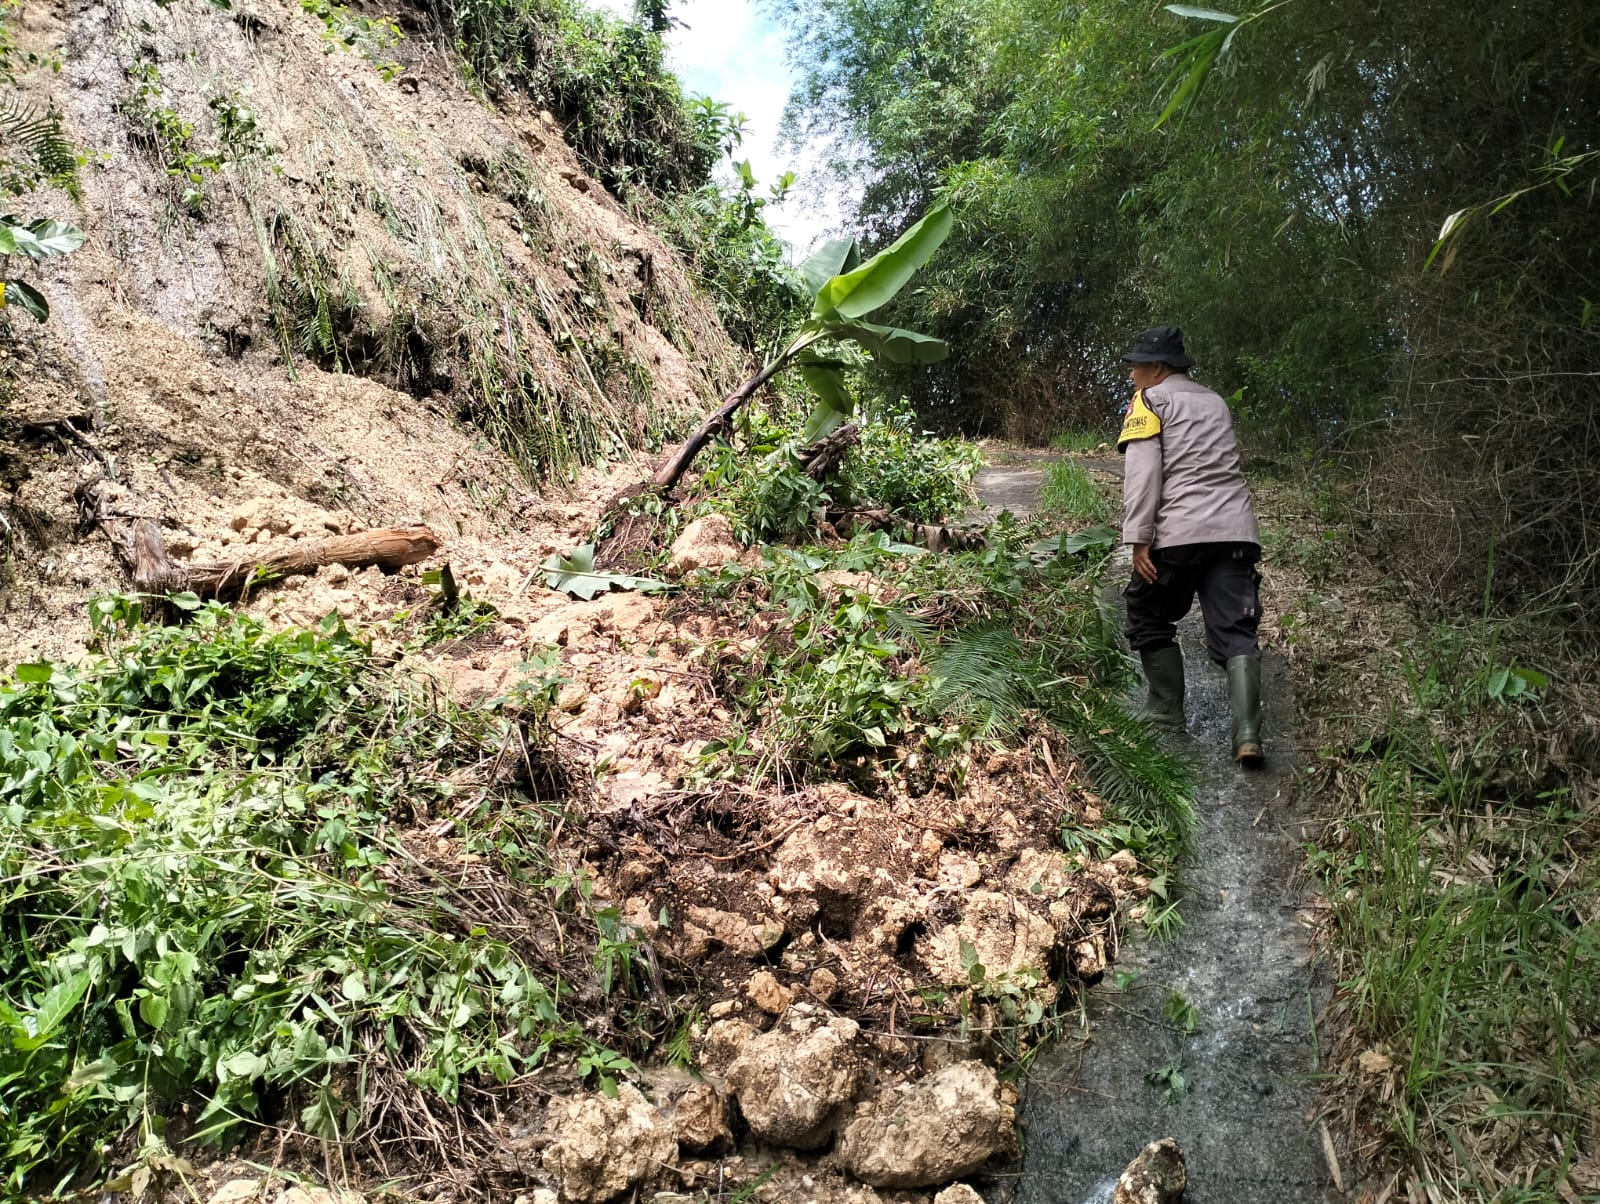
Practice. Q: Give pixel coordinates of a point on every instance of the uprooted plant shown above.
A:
(844, 291)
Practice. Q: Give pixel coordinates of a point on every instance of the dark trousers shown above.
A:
(1225, 577)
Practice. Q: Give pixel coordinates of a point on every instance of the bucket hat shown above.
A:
(1159, 345)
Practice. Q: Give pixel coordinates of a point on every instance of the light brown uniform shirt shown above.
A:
(1182, 483)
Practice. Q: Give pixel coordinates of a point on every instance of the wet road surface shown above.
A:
(1244, 1114)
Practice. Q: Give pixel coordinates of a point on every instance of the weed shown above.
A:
(370, 37)
(1082, 442)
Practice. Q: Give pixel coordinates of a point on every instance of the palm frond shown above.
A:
(39, 136)
(1133, 773)
(984, 676)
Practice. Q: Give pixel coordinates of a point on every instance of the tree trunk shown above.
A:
(672, 471)
(389, 548)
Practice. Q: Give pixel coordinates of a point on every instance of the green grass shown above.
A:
(1070, 494)
(1084, 443)
(1465, 884)
(251, 878)
(965, 647)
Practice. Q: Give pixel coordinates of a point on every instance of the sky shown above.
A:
(730, 51)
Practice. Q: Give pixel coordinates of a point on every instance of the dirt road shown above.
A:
(1236, 1091)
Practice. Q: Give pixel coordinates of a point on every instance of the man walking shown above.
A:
(1186, 511)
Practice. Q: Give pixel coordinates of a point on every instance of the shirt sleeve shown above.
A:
(1141, 490)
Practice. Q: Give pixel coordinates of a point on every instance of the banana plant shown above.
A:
(42, 239)
(844, 291)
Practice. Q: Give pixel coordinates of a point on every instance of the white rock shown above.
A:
(929, 1132)
(606, 1147)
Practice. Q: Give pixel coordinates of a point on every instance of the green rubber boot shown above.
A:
(1244, 696)
(1163, 677)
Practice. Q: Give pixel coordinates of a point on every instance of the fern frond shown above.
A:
(40, 137)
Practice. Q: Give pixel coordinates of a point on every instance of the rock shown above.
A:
(1156, 1176)
(958, 871)
(699, 1118)
(929, 1132)
(1006, 936)
(606, 1147)
(238, 1191)
(1040, 873)
(1089, 956)
(725, 1043)
(766, 993)
(958, 1193)
(722, 1009)
(794, 1082)
(728, 929)
(1123, 862)
(706, 543)
(1374, 1062)
(823, 984)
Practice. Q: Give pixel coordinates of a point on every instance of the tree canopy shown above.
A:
(1275, 180)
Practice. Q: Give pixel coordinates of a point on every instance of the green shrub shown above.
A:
(910, 473)
(210, 901)
(607, 80)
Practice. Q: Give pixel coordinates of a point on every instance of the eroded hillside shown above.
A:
(323, 272)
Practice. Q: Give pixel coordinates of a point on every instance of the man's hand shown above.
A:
(1142, 564)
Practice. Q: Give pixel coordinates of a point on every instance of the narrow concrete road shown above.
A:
(1237, 1093)
(1014, 485)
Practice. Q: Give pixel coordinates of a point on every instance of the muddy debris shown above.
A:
(929, 1132)
(1156, 1176)
(706, 543)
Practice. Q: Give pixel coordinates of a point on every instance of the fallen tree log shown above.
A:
(139, 544)
(143, 551)
(936, 537)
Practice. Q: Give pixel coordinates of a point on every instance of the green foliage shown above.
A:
(34, 149)
(622, 109)
(156, 126)
(211, 903)
(574, 573)
(909, 472)
(44, 238)
(974, 646)
(734, 255)
(370, 37)
(1466, 959)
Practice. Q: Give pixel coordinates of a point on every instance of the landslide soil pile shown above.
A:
(368, 299)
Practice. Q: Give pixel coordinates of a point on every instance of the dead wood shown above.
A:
(389, 548)
(139, 544)
(823, 456)
(933, 536)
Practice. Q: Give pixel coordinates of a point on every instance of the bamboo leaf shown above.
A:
(1186, 91)
(876, 282)
(1202, 14)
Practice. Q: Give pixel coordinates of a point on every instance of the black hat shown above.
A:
(1159, 345)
